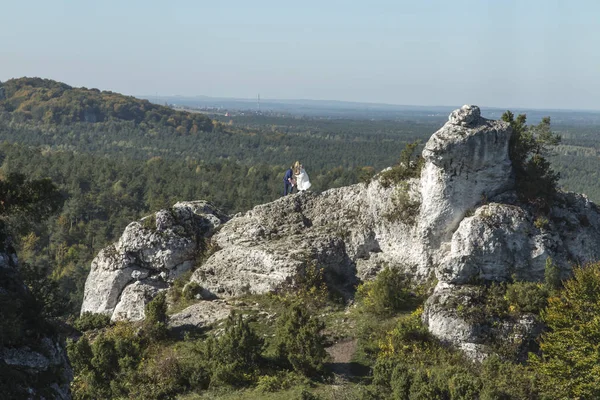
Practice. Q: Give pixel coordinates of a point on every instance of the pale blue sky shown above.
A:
(505, 53)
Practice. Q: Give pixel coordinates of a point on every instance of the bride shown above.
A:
(302, 182)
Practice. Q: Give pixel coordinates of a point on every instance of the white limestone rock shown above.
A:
(132, 304)
(466, 162)
(343, 230)
(200, 315)
(446, 315)
(150, 254)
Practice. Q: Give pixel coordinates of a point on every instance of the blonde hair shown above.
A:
(297, 167)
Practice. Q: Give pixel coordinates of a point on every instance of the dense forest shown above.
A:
(114, 159)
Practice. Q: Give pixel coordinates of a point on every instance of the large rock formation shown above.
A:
(33, 358)
(469, 227)
(150, 254)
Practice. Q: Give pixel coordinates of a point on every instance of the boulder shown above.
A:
(150, 254)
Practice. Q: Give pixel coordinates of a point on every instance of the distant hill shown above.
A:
(51, 102)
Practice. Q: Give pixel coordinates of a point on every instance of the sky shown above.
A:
(495, 53)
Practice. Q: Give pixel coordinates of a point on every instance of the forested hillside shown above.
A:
(51, 102)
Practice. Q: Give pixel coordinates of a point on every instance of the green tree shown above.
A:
(235, 356)
(299, 341)
(570, 360)
(155, 323)
(536, 182)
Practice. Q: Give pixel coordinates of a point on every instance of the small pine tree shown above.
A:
(155, 324)
(299, 341)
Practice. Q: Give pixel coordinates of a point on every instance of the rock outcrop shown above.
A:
(469, 227)
(33, 358)
(150, 254)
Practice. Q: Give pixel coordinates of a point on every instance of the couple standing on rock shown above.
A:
(297, 177)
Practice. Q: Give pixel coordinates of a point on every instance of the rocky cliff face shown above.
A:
(469, 227)
(150, 254)
(33, 359)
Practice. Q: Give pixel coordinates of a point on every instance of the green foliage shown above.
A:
(281, 380)
(191, 290)
(387, 294)
(570, 357)
(53, 102)
(552, 275)
(526, 297)
(483, 303)
(149, 222)
(155, 323)
(89, 321)
(407, 167)
(36, 199)
(404, 208)
(50, 300)
(541, 222)
(536, 182)
(310, 287)
(235, 356)
(108, 366)
(299, 342)
(413, 365)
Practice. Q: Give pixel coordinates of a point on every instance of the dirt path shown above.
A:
(341, 355)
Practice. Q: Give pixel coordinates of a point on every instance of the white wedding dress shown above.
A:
(302, 180)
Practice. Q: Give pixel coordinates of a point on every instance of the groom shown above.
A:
(288, 182)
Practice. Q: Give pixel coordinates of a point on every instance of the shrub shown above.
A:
(404, 208)
(541, 222)
(282, 380)
(526, 297)
(89, 320)
(387, 294)
(407, 167)
(552, 275)
(234, 357)
(80, 354)
(570, 357)
(155, 323)
(298, 341)
(149, 222)
(191, 290)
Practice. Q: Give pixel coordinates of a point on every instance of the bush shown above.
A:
(570, 357)
(407, 167)
(298, 341)
(235, 357)
(191, 290)
(282, 380)
(526, 297)
(387, 294)
(552, 275)
(404, 208)
(89, 320)
(155, 323)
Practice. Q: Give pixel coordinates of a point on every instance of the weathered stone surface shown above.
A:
(150, 253)
(476, 338)
(134, 298)
(344, 230)
(466, 162)
(200, 315)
